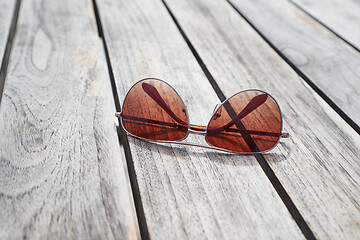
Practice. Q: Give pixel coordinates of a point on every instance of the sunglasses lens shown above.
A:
(249, 121)
(153, 110)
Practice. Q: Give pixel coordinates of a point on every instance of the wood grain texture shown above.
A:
(61, 171)
(329, 62)
(6, 12)
(319, 165)
(187, 192)
(341, 16)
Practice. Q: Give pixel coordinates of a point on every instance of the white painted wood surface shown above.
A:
(6, 12)
(330, 63)
(319, 165)
(341, 16)
(61, 171)
(187, 192)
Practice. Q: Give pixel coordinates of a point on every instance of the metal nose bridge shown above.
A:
(197, 129)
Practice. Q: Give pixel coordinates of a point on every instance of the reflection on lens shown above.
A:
(249, 121)
(154, 111)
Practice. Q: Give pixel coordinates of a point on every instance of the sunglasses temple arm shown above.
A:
(155, 95)
(197, 145)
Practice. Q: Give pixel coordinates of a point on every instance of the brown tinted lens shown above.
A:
(153, 110)
(250, 121)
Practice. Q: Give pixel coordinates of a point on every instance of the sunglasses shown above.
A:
(250, 121)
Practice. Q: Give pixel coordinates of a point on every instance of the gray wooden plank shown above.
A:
(319, 165)
(341, 16)
(329, 62)
(6, 13)
(61, 171)
(187, 192)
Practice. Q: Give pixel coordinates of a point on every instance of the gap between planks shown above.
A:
(225, 31)
(321, 93)
(304, 227)
(122, 137)
(116, 225)
(324, 25)
(335, 100)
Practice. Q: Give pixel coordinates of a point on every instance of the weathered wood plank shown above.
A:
(61, 171)
(329, 62)
(6, 13)
(319, 165)
(341, 16)
(187, 192)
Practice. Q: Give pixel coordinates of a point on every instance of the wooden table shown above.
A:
(67, 171)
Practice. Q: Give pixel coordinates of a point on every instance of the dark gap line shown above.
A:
(97, 18)
(123, 139)
(337, 109)
(290, 205)
(8, 48)
(300, 221)
(324, 25)
(198, 59)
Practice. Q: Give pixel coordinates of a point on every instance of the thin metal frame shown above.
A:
(209, 146)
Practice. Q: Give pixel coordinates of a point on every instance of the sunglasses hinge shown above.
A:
(285, 135)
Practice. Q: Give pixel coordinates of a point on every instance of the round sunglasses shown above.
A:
(250, 121)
